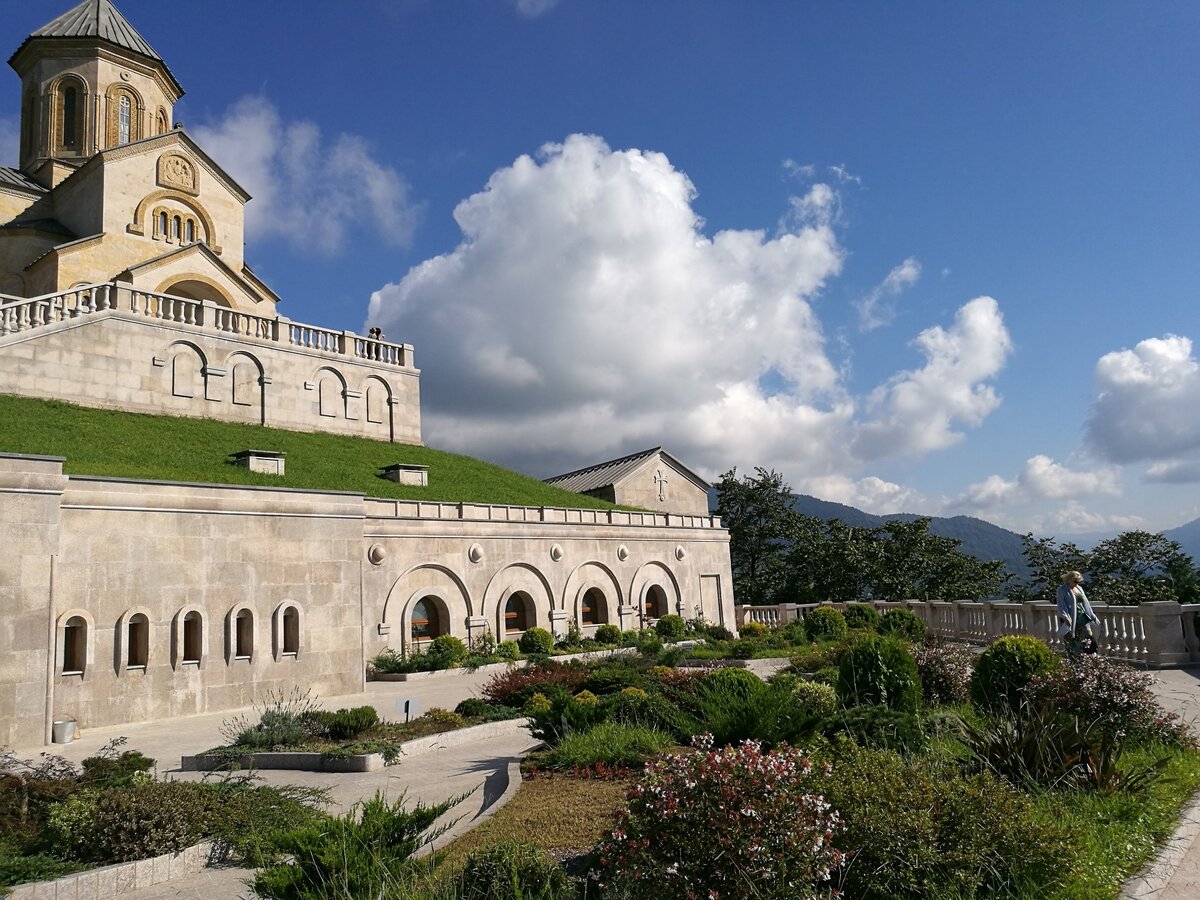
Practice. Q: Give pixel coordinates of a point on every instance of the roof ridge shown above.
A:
(99, 19)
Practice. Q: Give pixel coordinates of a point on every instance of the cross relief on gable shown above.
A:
(660, 478)
(179, 172)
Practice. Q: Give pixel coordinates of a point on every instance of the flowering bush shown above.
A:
(1117, 700)
(945, 673)
(725, 824)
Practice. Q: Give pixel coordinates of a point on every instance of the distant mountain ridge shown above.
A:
(1188, 537)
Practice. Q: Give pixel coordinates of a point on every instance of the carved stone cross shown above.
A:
(661, 480)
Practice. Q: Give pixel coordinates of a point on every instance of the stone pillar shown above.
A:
(558, 618)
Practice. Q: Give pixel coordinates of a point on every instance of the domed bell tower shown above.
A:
(89, 82)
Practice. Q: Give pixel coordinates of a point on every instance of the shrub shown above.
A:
(752, 629)
(648, 642)
(917, 830)
(774, 841)
(793, 632)
(348, 724)
(446, 652)
(718, 633)
(878, 671)
(475, 708)
(815, 656)
(611, 743)
(444, 719)
(671, 627)
(144, 821)
(284, 721)
(815, 698)
(392, 662)
(508, 650)
(608, 634)
(672, 656)
(634, 706)
(512, 870)
(903, 624)
(514, 686)
(1117, 700)
(484, 644)
(861, 615)
(629, 638)
(608, 678)
(537, 641)
(365, 853)
(1004, 669)
(744, 648)
(112, 770)
(945, 673)
(572, 639)
(879, 727)
(563, 714)
(824, 624)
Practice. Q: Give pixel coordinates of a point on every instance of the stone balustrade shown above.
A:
(18, 315)
(1153, 635)
(491, 512)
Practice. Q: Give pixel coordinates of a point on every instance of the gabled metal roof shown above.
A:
(100, 19)
(609, 473)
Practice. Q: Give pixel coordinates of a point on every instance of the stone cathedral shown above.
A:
(123, 285)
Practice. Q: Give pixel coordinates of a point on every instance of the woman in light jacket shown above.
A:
(1075, 615)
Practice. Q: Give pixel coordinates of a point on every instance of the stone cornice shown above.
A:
(37, 48)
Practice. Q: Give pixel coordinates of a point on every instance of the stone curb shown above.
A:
(1150, 883)
(118, 879)
(361, 762)
(464, 825)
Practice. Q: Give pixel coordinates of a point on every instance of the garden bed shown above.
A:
(585, 656)
(355, 762)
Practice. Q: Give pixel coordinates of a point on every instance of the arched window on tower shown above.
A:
(189, 230)
(69, 124)
(162, 224)
(175, 228)
(124, 120)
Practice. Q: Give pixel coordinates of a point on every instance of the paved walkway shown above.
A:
(443, 773)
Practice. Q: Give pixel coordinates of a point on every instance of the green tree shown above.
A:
(1136, 566)
(756, 509)
(1047, 562)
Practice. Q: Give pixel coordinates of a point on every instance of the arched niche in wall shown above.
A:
(517, 578)
(247, 384)
(186, 365)
(586, 577)
(423, 581)
(331, 392)
(655, 591)
(377, 400)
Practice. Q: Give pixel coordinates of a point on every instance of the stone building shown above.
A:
(127, 600)
(651, 479)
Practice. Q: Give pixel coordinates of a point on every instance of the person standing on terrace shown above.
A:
(1075, 616)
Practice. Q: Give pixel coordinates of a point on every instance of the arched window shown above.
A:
(162, 224)
(137, 642)
(656, 602)
(160, 122)
(193, 638)
(426, 620)
(70, 120)
(243, 634)
(516, 613)
(593, 609)
(291, 631)
(124, 120)
(189, 230)
(74, 646)
(175, 228)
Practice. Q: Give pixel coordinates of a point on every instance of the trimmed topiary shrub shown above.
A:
(512, 870)
(902, 623)
(537, 641)
(608, 634)
(508, 650)
(861, 615)
(879, 671)
(1004, 669)
(671, 627)
(346, 724)
(814, 698)
(824, 624)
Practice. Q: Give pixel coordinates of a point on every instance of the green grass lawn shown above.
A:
(167, 448)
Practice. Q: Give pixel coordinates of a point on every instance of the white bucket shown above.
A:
(64, 731)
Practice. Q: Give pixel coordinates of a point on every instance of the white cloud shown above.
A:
(307, 189)
(1073, 518)
(870, 494)
(1040, 479)
(10, 142)
(586, 313)
(1177, 471)
(1146, 404)
(873, 309)
(918, 411)
(797, 170)
(533, 8)
(843, 176)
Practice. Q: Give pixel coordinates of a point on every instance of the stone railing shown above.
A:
(21, 315)
(488, 512)
(1153, 635)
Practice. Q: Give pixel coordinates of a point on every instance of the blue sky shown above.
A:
(931, 257)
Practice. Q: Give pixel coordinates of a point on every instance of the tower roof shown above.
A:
(99, 19)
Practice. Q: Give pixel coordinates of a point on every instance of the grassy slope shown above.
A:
(131, 445)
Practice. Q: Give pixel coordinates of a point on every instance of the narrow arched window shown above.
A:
(70, 117)
(74, 646)
(162, 224)
(656, 602)
(291, 631)
(124, 120)
(193, 636)
(175, 228)
(137, 642)
(426, 621)
(189, 230)
(243, 634)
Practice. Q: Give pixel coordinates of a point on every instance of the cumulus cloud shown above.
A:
(1146, 406)
(308, 189)
(870, 494)
(922, 410)
(875, 310)
(1179, 471)
(586, 313)
(1040, 479)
